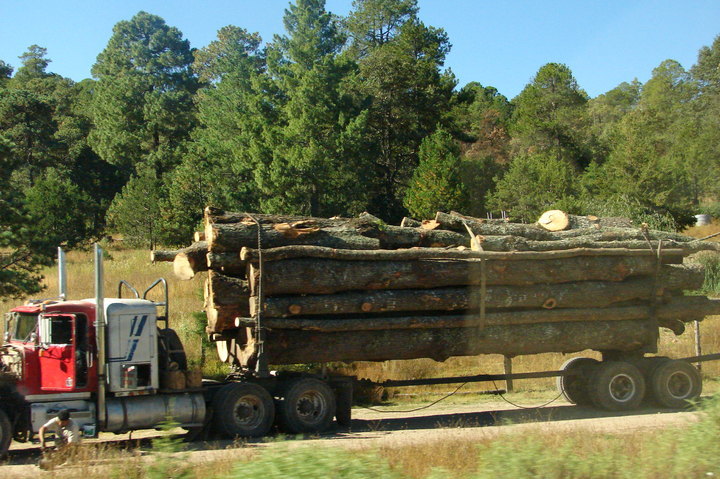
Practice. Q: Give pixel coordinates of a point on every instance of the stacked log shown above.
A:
(337, 289)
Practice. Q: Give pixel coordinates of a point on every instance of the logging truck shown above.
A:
(114, 364)
(112, 361)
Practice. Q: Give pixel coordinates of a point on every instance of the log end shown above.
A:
(554, 220)
(183, 268)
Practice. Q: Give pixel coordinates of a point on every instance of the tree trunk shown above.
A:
(161, 255)
(326, 276)
(584, 294)
(516, 243)
(226, 290)
(364, 233)
(408, 222)
(190, 260)
(293, 347)
(608, 232)
(309, 251)
(682, 309)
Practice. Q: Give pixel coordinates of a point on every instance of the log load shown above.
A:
(673, 280)
(293, 347)
(343, 289)
(326, 276)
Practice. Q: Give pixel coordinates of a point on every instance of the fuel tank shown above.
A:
(145, 412)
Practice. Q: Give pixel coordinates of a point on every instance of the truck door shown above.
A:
(58, 351)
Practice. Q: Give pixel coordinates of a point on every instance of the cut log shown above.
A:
(516, 243)
(308, 251)
(683, 309)
(585, 294)
(199, 236)
(190, 260)
(591, 221)
(161, 255)
(292, 347)
(226, 290)
(554, 220)
(410, 223)
(326, 276)
(222, 318)
(357, 234)
(228, 263)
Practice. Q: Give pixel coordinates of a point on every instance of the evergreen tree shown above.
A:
(135, 211)
(407, 94)
(311, 165)
(534, 184)
(436, 184)
(647, 165)
(143, 99)
(550, 117)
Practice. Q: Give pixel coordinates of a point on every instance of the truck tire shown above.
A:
(5, 434)
(616, 386)
(243, 409)
(675, 383)
(308, 406)
(575, 388)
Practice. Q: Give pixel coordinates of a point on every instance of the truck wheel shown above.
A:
(575, 388)
(674, 383)
(308, 406)
(5, 434)
(616, 386)
(243, 409)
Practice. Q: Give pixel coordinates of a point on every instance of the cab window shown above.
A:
(60, 330)
(21, 326)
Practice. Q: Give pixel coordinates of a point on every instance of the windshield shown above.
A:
(21, 325)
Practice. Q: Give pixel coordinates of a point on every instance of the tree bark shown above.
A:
(516, 243)
(226, 290)
(221, 317)
(584, 294)
(326, 276)
(364, 233)
(190, 260)
(293, 347)
(408, 222)
(309, 251)
(162, 255)
(534, 232)
(682, 309)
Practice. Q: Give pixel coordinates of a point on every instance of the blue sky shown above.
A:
(497, 43)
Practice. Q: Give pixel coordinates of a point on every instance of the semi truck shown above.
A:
(104, 360)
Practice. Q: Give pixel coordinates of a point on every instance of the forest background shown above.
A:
(337, 116)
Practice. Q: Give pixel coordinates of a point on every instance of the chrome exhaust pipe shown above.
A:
(62, 275)
(100, 328)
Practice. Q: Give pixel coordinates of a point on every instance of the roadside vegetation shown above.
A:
(687, 452)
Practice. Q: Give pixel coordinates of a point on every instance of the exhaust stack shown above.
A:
(62, 275)
(100, 328)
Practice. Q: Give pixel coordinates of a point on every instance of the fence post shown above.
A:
(508, 370)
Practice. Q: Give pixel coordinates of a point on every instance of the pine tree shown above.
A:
(143, 100)
(436, 184)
